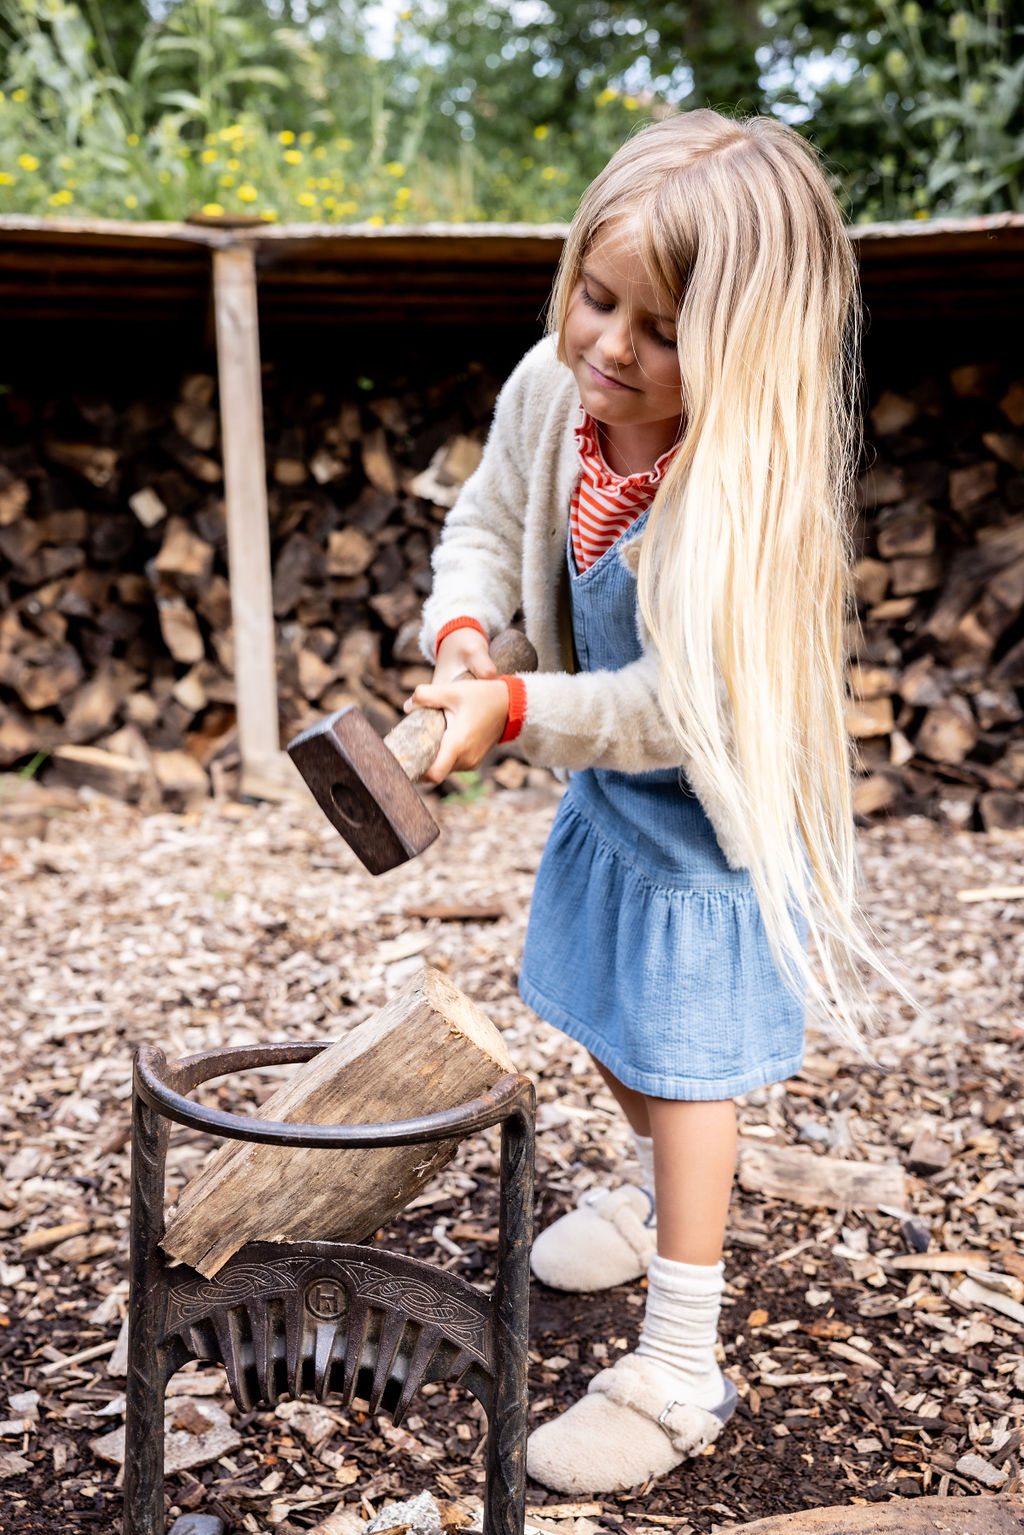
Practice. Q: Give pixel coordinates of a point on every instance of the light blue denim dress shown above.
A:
(642, 943)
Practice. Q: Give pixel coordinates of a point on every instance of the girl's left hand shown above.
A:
(475, 712)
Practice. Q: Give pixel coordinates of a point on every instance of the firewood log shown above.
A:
(428, 1049)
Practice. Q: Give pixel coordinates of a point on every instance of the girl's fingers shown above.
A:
(475, 715)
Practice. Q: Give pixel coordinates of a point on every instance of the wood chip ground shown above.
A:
(877, 1350)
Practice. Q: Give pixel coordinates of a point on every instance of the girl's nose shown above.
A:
(617, 342)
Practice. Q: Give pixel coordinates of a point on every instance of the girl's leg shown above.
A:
(610, 1238)
(632, 1103)
(694, 1158)
(669, 1399)
(694, 1154)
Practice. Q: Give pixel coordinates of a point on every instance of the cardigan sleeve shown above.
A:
(477, 566)
(606, 719)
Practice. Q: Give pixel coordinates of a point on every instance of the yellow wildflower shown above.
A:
(7, 180)
(247, 192)
(320, 152)
(132, 139)
(131, 201)
(286, 136)
(306, 200)
(234, 131)
(527, 162)
(345, 208)
(212, 210)
(164, 176)
(323, 183)
(28, 162)
(549, 173)
(226, 181)
(630, 103)
(233, 164)
(19, 95)
(293, 156)
(541, 131)
(59, 199)
(343, 144)
(375, 218)
(208, 156)
(402, 196)
(330, 202)
(209, 138)
(395, 168)
(268, 215)
(606, 95)
(305, 137)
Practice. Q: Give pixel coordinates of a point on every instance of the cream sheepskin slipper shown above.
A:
(608, 1240)
(628, 1428)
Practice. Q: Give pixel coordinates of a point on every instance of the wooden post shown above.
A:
(264, 766)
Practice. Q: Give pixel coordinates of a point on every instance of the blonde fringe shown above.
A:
(743, 567)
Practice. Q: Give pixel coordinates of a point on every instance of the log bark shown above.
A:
(429, 1049)
(924, 1516)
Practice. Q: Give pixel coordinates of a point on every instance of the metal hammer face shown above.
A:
(362, 790)
(364, 785)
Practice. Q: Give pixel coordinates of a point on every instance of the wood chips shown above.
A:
(876, 1347)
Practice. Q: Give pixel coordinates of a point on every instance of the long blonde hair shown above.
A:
(743, 566)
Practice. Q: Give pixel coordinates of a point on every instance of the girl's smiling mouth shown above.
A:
(605, 381)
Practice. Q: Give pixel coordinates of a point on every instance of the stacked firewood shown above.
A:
(937, 684)
(116, 644)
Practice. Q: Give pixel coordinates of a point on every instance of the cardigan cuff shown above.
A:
(516, 707)
(457, 623)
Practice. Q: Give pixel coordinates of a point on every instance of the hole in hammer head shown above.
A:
(348, 804)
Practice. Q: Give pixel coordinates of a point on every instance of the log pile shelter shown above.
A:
(221, 305)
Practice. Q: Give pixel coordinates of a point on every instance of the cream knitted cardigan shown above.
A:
(504, 548)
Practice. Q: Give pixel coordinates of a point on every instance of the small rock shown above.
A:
(814, 1133)
(420, 1515)
(197, 1524)
(981, 1471)
(928, 1154)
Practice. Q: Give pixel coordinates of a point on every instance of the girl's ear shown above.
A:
(630, 555)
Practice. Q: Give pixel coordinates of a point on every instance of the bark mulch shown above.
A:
(871, 1361)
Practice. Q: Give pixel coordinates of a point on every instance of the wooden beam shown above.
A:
(245, 495)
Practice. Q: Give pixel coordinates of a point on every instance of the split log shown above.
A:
(428, 1049)
(784, 1172)
(924, 1516)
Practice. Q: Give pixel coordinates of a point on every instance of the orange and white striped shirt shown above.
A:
(603, 503)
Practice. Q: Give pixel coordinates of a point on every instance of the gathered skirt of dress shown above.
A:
(645, 947)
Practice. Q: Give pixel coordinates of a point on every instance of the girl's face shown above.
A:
(620, 338)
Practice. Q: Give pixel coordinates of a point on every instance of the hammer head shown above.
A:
(362, 790)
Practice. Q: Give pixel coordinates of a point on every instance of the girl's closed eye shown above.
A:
(589, 299)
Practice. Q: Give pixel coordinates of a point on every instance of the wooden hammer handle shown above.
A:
(416, 739)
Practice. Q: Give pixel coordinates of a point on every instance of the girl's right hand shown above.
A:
(464, 650)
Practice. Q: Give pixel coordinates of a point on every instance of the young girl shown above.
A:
(664, 494)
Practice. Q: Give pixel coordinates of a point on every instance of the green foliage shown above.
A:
(922, 111)
(471, 787)
(487, 109)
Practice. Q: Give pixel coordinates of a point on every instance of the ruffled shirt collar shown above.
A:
(592, 460)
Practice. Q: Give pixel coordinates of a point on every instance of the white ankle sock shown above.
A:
(644, 1148)
(681, 1327)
